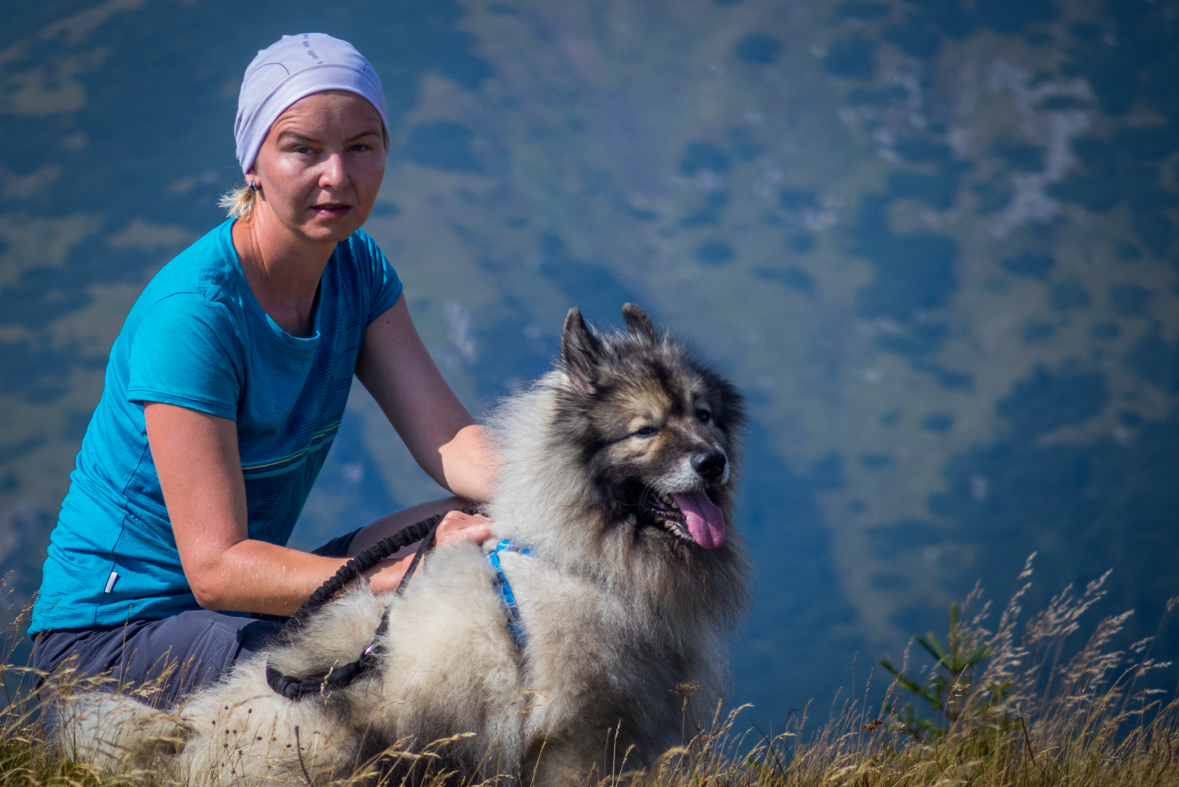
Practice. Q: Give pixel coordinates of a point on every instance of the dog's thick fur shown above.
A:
(622, 604)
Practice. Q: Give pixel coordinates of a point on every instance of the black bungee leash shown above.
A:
(337, 678)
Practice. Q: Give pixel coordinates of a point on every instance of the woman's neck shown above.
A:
(283, 271)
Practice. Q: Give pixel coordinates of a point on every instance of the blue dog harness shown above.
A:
(504, 588)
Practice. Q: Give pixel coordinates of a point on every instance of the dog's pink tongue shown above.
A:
(706, 522)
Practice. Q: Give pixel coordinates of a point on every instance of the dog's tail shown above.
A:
(117, 733)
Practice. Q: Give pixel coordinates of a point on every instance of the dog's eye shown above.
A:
(703, 416)
(645, 431)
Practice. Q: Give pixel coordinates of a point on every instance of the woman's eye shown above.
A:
(645, 431)
(703, 416)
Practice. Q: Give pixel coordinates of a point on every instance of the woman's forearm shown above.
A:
(196, 457)
(437, 429)
(257, 576)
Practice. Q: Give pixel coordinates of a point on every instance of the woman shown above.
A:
(224, 390)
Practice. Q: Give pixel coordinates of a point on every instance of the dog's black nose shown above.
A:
(711, 465)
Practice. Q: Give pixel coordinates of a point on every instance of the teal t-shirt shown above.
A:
(198, 338)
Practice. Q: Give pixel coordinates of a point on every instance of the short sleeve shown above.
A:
(384, 285)
(180, 355)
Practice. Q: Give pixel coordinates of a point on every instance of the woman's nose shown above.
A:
(332, 170)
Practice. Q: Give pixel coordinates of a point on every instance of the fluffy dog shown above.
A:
(618, 475)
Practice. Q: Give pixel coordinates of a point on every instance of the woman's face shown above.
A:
(320, 166)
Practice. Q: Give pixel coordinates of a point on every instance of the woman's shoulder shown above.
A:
(368, 274)
(208, 264)
(364, 249)
(203, 279)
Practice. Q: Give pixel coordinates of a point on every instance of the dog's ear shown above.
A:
(580, 352)
(638, 323)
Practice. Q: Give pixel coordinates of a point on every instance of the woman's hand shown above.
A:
(455, 528)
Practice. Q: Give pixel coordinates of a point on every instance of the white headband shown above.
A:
(292, 68)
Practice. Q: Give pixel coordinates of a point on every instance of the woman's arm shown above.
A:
(398, 371)
(196, 457)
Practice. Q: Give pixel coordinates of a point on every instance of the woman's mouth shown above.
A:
(331, 210)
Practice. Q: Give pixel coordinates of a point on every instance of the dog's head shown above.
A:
(658, 431)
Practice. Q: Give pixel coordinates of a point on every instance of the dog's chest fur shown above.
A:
(596, 660)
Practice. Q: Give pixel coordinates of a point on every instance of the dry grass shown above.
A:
(1008, 706)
